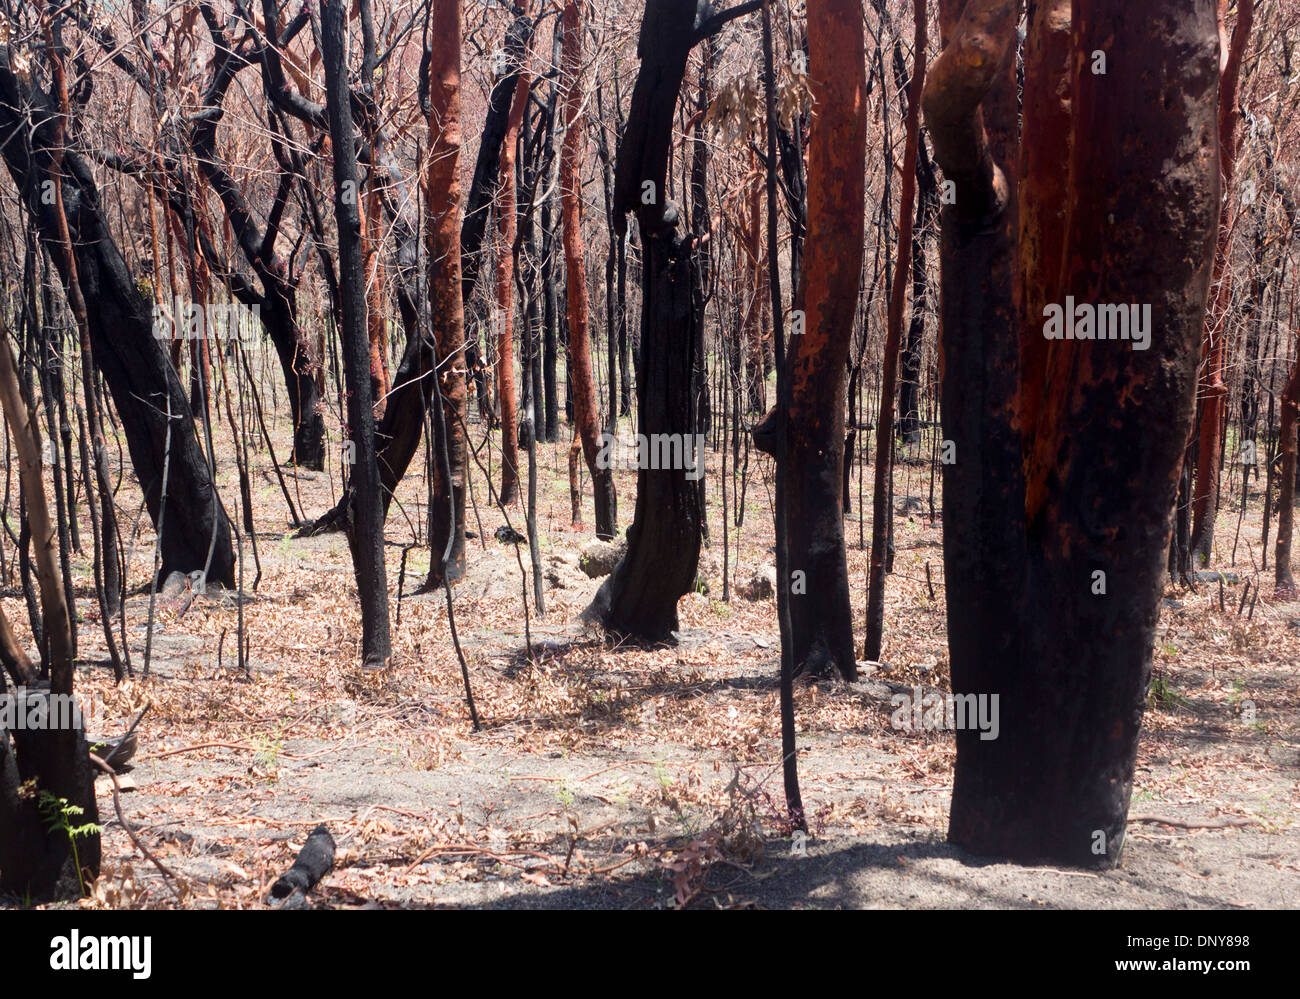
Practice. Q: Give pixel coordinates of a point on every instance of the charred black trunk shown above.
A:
(909, 388)
(366, 530)
(639, 599)
(1055, 552)
(139, 375)
(39, 821)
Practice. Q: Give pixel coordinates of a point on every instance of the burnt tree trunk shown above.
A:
(34, 849)
(821, 617)
(1046, 516)
(139, 375)
(582, 388)
(909, 388)
(366, 530)
(639, 599)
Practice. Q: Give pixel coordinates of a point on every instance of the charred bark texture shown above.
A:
(640, 597)
(1058, 500)
(821, 616)
(139, 375)
(366, 530)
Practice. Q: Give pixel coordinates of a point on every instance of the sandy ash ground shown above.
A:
(609, 777)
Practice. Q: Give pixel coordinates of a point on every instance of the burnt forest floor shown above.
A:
(614, 777)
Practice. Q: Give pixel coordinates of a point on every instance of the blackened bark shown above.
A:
(138, 373)
(277, 305)
(366, 533)
(487, 166)
(639, 599)
(909, 389)
(1089, 554)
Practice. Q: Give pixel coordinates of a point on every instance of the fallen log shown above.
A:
(315, 860)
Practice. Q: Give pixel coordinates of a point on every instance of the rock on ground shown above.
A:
(599, 557)
(761, 585)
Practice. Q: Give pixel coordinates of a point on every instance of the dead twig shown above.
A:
(169, 877)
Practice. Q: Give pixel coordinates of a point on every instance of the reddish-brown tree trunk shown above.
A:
(373, 248)
(446, 306)
(1214, 390)
(880, 512)
(581, 382)
(821, 616)
(505, 273)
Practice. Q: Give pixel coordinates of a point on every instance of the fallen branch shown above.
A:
(1222, 822)
(169, 878)
(475, 850)
(214, 745)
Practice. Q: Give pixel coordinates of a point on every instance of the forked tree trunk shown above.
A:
(582, 387)
(1065, 526)
(639, 599)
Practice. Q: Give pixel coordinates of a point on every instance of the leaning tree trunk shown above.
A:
(581, 385)
(139, 375)
(366, 533)
(1064, 526)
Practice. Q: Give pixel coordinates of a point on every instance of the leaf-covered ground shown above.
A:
(613, 777)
